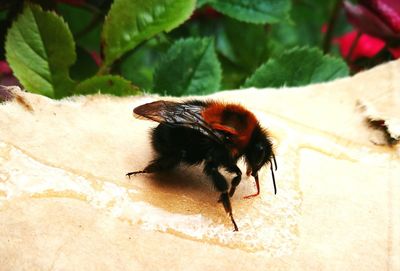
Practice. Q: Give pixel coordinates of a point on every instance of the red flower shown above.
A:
(96, 57)
(379, 18)
(6, 75)
(395, 52)
(205, 13)
(367, 46)
(5, 68)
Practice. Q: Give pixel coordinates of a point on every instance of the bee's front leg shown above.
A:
(236, 180)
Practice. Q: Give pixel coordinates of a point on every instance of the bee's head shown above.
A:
(259, 152)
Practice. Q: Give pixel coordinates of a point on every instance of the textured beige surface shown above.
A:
(65, 203)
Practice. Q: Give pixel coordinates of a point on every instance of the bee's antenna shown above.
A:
(272, 170)
(273, 178)
(276, 165)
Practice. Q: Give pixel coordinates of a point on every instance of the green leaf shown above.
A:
(139, 66)
(298, 67)
(129, 23)
(244, 44)
(200, 3)
(40, 50)
(244, 48)
(84, 67)
(189, 67)
(85, 25)
(254, 11)
(137, 69)
(111, 84)
(304, 28)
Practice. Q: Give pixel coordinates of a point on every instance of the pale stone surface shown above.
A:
(65, 203)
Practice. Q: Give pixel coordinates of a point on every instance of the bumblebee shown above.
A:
(211, 133)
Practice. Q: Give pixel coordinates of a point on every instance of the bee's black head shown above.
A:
(259, 152)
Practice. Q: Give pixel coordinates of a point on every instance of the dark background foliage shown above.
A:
(183, 47)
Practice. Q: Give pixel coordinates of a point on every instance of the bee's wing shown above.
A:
(178, 114)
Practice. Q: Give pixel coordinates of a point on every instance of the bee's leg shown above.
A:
(129, 174)
(224, 198)
(211, 169)
(236, 180)
(162, 163)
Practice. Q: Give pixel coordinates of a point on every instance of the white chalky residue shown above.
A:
(26, 176)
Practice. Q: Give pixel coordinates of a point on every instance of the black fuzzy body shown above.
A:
(174, 145)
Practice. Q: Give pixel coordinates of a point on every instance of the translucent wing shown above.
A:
(187, 114)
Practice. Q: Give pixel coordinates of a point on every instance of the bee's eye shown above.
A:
(259, 155)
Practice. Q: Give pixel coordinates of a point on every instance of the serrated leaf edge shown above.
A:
(31, 8)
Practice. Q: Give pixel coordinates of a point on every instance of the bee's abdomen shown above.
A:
(185, 144)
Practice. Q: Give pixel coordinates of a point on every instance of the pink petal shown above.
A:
(96, 57)
(395, 52)
(367, 46)
(367, 22)
(324, 28)
(388, 10)
(5, 68)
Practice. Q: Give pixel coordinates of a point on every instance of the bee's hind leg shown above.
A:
(224, 199)
(157, 165)
(211, 169)
(129, 174)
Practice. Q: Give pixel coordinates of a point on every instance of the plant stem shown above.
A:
(104, 69)
(353, 46)
(331, 26)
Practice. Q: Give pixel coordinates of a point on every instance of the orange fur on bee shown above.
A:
(233, 119)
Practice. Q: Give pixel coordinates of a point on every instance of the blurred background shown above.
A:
(65, 47)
